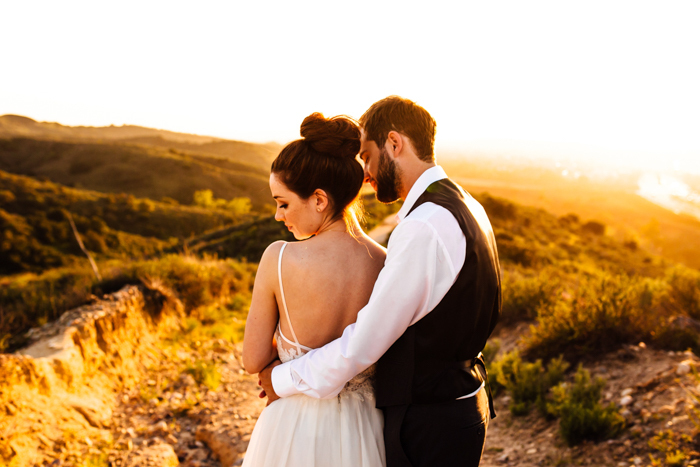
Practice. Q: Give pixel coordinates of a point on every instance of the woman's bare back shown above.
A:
(327, 280)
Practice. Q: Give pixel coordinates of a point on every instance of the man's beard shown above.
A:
(388, 179)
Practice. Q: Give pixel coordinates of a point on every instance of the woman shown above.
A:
(306, 293)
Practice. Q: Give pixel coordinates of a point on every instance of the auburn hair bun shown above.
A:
(336, 136)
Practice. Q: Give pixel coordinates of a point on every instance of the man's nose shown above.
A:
(367, 177)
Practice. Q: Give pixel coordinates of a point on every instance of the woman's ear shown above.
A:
(321, 200)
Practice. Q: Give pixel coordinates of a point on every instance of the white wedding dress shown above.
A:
(302, 431)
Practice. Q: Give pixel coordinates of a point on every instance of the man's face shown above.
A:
(380, 171)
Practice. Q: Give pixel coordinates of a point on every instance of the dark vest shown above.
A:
(433, 360)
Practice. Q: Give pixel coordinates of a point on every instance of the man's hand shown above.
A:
(265, 380)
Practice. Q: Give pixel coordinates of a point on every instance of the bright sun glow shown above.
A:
(605, 75)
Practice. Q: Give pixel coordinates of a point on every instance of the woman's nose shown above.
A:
(278, 216)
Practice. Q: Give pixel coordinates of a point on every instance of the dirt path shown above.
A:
(659, 391)
(172, 420)
(204, 427)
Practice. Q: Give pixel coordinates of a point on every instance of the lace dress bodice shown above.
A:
(361, 386)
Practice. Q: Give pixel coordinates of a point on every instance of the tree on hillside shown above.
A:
(239, 206)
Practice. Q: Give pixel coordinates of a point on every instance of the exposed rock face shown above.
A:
(64, 384)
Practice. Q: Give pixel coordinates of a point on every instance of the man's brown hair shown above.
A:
(402, 115)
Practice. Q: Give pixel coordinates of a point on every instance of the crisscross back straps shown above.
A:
(284, 301)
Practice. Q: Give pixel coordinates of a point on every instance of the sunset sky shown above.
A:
(609, 78)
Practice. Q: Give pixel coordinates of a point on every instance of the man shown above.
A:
(432, 309)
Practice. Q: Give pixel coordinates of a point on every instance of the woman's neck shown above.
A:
(351, 226)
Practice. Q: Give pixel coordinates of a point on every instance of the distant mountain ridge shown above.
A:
(260, 155)
(144, 162)
(20, 126)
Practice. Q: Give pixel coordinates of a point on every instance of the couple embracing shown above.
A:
(378, 352)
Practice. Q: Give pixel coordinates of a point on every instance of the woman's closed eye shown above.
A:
(283, 206)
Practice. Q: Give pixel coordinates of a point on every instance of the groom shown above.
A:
(432, 309)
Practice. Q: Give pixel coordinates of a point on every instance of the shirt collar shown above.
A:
(426, 179)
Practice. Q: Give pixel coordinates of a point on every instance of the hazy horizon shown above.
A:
(615, 77)
(539, 153)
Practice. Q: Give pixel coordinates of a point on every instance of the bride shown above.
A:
(306, 293)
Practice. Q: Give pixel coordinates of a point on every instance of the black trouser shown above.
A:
(444, 435)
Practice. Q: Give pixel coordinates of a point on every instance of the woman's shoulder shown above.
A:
(272, 250)
(268, 261)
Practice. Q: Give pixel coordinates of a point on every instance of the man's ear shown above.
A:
(395, 143)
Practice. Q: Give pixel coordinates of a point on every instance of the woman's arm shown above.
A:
(263, 315)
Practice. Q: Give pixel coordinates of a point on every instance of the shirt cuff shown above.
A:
(282, 381)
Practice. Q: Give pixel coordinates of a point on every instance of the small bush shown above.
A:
(675, 448)
(523, 296)
(677, 338)
(684, 293)
(490, 351)
(205, 373)
(498, 208)
(528, 383)
(594, 227)
(582, 417)
(28, 301)
(606, 312)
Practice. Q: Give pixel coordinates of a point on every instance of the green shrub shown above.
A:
(197, 282)
(607, 311)
(594, 227)
(672, 337)
(684, 293)
(239, 206)
(29, 300)
(527, 383)
(498, 208)
(675, 448)
(222, 321)
(582, 417)
(205, 373)
(523, 296)
(490, 351)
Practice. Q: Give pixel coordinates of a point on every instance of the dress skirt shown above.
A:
(301, 431)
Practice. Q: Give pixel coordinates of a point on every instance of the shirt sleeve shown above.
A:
(416, 276)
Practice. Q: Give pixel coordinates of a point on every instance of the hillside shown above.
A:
(12, 126)
(180, 396)
(612, 200)
(37, 235)
(148, 172)
(586, 280)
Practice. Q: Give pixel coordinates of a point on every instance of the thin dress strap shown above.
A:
(284, 302)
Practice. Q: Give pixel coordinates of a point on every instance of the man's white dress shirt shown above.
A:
(425, 254)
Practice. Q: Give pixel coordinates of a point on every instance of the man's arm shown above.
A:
(417, 274)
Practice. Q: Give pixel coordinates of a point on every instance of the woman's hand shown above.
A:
(265, 381)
